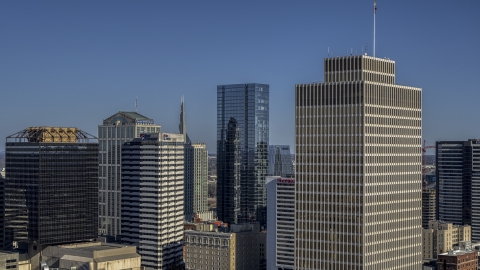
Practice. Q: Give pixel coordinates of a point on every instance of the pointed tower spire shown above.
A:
(182, 127)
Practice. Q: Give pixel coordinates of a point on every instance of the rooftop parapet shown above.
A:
(51, 135)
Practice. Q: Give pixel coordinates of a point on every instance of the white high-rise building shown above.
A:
(112, 134)
(196, 175)
(358, 190)
(280, 223)
(152, 198)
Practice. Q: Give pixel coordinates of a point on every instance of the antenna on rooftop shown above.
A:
(328, 51)
(374, 15)
(136, 105)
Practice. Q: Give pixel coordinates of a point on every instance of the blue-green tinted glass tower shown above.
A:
(242, 152)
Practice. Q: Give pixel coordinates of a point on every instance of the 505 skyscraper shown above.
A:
(242, 152)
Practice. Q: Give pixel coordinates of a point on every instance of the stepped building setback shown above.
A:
(113, 133)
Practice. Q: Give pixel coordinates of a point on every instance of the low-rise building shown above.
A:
(8, 260)
(458, 259)
(239, 248)
(441, 237)
(92, 255)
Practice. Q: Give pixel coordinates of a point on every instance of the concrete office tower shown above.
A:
(458, 183)
(152, 198)
(196, 175)
(196, 182)
(242, 155)
(113, 133)
(358, 187)
(280, 161)
(281, 223)
(429, 205)
(52, 187)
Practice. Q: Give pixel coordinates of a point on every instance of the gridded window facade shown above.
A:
(242, 152)
(116, 130)
(458, 183)
(280, 161)
(52, 191)
(358, 169)
(196, 179)
(153, 197)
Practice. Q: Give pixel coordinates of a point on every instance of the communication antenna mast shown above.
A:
(136, 105)
(374, 15)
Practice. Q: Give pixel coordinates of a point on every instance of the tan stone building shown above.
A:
(237, 249)
(441, 237)
(93, 255)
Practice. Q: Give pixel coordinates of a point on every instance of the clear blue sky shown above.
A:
(75, 63)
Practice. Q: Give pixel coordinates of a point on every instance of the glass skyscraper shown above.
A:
(52, 186)
(242, 152)
(280, 161)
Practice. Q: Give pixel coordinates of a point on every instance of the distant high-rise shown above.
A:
(112, 134)
(358, 169)
(196, 175)
(280, 161)
(2, 209)
(52, 187)
(281, 223)
(429, 207)
(152, 198)
(196, 181)
(242, 152)
(458, 183)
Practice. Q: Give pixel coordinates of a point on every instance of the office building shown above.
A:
(358, 181)
(429, 205)
(92, 255)
(52, 187)
(152, 198)
(112, 134)
(242, 152)
(2, 209)
(196, 175)
(280, 223)
(236, 249)
(458, 183)
(458, 260)
(441, 237)
(8, 260)
(280, 161)
(196, 182)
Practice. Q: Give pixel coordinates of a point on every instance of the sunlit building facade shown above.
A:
(358, 201)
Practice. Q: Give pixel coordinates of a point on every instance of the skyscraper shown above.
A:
(196, 181)
(3, 243)
(358, 169)
(458, 183)
(281, 223)
(152, 198)
(52, 187)
(242, 152)
(280, 161)
(196, 175)
(113, 133)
